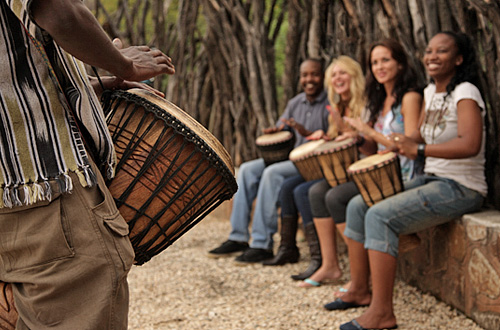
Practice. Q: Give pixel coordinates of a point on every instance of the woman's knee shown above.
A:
(355, 215)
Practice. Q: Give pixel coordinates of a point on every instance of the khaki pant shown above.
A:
(68, 261)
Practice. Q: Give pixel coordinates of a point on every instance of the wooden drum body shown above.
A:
(8, 312)
(334, 158)
(171, 171)
(305, 160)
(377, 177)
(275, 147)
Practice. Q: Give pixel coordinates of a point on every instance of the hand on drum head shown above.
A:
(112, 82)
(146, 62)
(404, 145)
(347, 135)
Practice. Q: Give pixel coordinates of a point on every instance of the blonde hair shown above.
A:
(357, 89)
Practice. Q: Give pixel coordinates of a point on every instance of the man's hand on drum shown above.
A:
(112, 82)
(404, 145)
(145, 62)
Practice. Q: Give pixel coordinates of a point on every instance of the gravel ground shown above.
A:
(183, 289)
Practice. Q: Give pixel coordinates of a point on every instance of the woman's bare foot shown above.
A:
(321, 276)
(342, 290)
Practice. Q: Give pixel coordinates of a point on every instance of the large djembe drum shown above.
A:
(377, 177)
(171, 171)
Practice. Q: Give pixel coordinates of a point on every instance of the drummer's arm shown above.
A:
(76, 30)
(415, 135)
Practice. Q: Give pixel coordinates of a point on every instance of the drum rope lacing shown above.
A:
(179, 128)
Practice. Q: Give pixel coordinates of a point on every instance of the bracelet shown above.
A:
(421, 151)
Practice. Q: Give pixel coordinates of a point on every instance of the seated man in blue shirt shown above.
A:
(305, 113)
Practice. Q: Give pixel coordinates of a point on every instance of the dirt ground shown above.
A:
(183, 289)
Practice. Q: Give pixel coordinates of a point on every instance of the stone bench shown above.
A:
(458, 262)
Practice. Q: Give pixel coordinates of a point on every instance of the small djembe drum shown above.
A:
(305, 160)
(377, 177)
(275, 147)
(171, 171)
(334, 158)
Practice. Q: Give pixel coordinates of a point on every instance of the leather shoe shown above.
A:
(253, 255)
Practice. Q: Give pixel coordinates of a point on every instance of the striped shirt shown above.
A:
(44, 92)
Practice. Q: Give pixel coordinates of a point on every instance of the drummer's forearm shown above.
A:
(77, 31)
(305, 132)
(380, 138)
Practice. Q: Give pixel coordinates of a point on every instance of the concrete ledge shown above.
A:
(458, 262)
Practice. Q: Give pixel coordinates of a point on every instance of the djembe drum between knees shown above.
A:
(171, 171)
(334, 158)
(377, 177)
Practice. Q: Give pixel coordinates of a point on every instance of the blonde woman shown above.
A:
(346, 87)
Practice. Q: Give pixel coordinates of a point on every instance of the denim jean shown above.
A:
(255, 180)
(294, 198)
(427, 201)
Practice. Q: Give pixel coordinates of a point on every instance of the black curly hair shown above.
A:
(468, 70)
(405, 81)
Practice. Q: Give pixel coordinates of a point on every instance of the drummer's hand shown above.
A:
(289, 122)
(146, 62)
(336, 116)
(334, 112)
(317, 135)
(404, 145)
(298, 127)
(274, 129)
(347, 135)
(112, 82)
